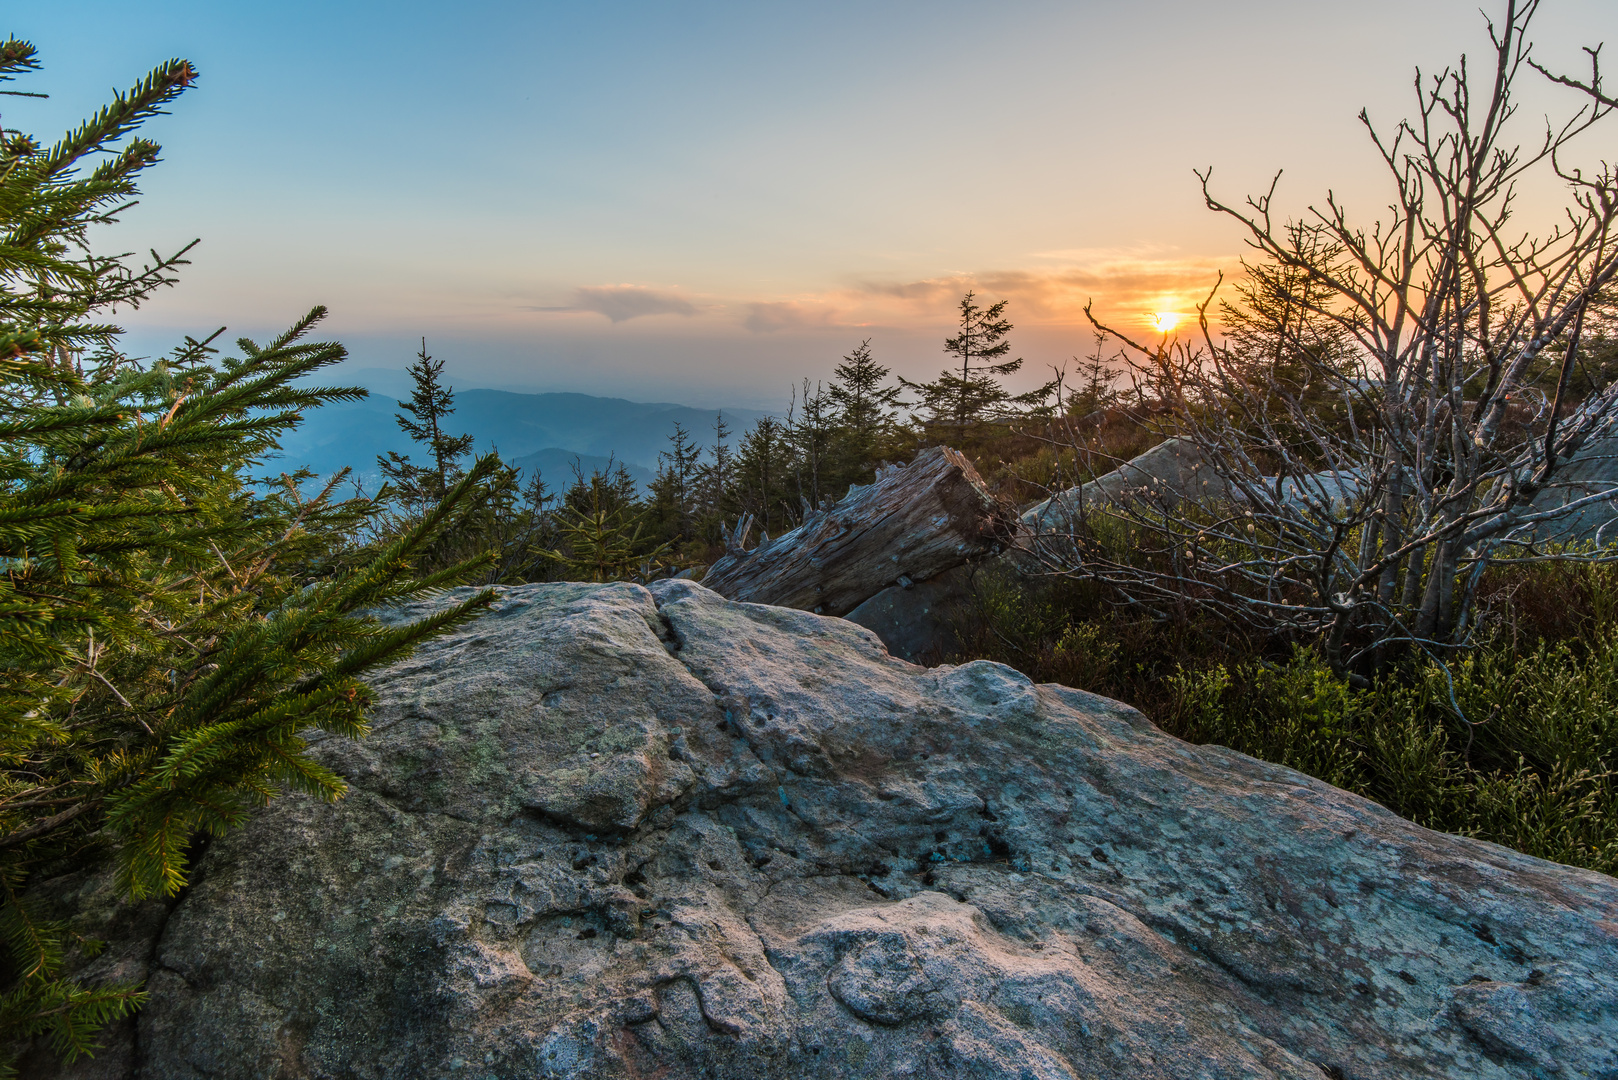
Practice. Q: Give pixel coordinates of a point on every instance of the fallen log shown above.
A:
(912, 522)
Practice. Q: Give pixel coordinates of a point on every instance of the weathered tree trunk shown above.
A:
(913, 522)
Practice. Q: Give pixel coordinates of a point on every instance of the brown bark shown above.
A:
(913, 522)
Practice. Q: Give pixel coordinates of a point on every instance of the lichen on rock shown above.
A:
(610, 831)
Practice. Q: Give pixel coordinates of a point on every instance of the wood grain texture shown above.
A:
(914, 521)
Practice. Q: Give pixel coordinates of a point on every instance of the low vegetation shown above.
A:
(173, 614)
(1514, 740)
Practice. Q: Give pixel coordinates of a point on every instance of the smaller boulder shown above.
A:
(917, 623)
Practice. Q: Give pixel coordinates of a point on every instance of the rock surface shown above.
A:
(1592, 471)
(916, 624)
(1176, 470)
(1172, 471)
(612, 832)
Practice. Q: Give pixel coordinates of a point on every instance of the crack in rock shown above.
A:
(560, 857)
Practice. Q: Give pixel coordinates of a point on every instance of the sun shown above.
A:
(1165, 321)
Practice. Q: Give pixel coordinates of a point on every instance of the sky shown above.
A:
(705, 202)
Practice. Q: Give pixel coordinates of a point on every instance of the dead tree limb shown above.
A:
(913, 522)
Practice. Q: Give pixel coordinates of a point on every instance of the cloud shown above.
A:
(1120, 287)
(1126, 287)
(930, 291)
(623, 302)
(774, 316)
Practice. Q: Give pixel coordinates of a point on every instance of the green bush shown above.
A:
(170, 624)
(1528, 760)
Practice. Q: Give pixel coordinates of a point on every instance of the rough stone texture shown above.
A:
(613, 832)
(1592, 471)
(1175, 470)
(915, 623)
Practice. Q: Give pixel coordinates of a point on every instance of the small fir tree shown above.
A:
(764, 469)
(674, 486)
(864, 411)
(1096, 390)
(718, 480)
(812, 427)
(430, 404)
(966, 399)
(602, 529)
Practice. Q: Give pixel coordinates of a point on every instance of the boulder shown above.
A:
(916, 623)
(1173, 471)
(615, 832)
(1592, 471)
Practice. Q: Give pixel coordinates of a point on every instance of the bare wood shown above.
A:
(913, 522)
(1361, 498)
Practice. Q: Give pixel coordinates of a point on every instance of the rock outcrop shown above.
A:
(917, 621)
(609, 831)
(1174, 471)
(1592, 471)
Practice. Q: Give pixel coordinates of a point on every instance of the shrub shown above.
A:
(168, 624)
(1528, 761)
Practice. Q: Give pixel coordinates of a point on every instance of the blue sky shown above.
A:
(705, 201)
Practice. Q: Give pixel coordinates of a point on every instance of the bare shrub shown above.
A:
(1395, 406)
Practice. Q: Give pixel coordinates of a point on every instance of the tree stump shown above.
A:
(912, 522)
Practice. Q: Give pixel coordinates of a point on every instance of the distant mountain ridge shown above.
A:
(546, 431)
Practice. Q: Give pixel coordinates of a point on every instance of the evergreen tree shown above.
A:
(168, 625)
(1095, 391)
(718, 480)
(1279, 332)
(602, 529)
(965, 399)
(674, 487)
(764, 470)
(521, 528)
(811, 425)
(430, 404)
(1294, 358)
(863, 413)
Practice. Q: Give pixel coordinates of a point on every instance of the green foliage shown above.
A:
(960, 402)
(1535, 775)
(834, 435)
(49, 279)
(674, 490)
(717, 479)
(602, 532)
(812, 431)
(1534, 769)
(765, 470)
(430, 404)
(865, 415)
(169, 625)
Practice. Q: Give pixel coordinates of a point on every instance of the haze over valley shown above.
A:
(548, 432)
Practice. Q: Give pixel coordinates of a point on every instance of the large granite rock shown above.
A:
(613, 832)
(1593, 471)
(1176, 471)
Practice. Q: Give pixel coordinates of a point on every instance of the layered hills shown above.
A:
(548, 432)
